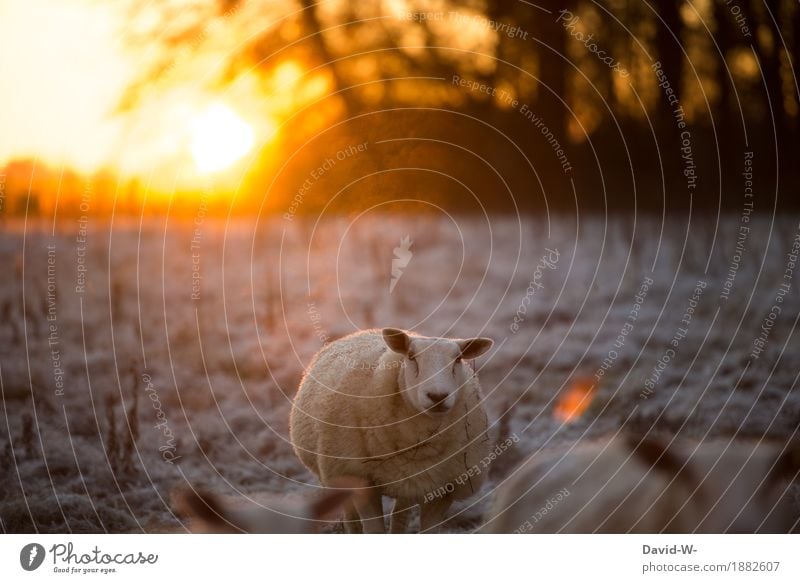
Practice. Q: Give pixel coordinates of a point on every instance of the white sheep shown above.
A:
(651, 485)
(402, 411)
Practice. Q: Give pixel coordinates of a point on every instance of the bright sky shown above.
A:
(65, 65)
(62, 72)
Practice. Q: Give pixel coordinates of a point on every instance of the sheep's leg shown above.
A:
(352, 522)
(400, 516)
(432, 514)
(370, 509)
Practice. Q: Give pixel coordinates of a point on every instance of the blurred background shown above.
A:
(197, 195)
(158, 100)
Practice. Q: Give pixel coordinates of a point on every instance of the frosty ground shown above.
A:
(168, 351)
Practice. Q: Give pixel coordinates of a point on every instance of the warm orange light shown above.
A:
(219, 139)
(574, 402)
(287, 75)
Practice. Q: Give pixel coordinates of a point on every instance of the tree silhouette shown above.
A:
(390, 76)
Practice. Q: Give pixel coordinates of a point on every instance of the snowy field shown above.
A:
(137, 358)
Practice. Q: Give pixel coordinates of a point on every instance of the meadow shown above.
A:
(140, 355)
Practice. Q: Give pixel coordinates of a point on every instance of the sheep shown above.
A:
(626, 484)
(402, 411)
(210, 513)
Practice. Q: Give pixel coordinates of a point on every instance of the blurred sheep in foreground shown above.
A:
(210, 513)
(626, 484)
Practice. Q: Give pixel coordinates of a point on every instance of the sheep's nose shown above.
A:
(436, 397)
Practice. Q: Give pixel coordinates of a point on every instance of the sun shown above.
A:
(219, 138)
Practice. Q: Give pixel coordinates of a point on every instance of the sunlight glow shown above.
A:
(219, 139)
(287, 75)
(575, 401)
(63, 72)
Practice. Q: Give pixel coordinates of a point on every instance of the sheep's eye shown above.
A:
(412, 358)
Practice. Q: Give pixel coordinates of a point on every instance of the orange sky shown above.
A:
(66, 64)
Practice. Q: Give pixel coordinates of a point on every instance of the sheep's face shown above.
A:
(433, 368)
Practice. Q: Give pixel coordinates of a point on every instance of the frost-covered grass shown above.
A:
(199, 390)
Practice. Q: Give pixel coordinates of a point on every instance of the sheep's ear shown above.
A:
(656, 453)
(474, 347)
(397, 340)
(787, 466)
(203, 506)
